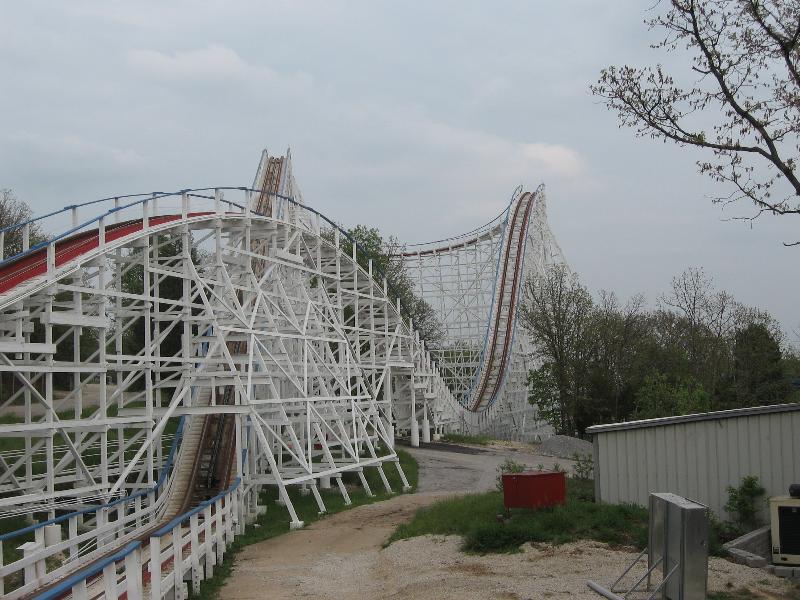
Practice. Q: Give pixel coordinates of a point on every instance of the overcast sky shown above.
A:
(418, 118)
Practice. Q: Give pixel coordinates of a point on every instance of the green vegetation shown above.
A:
(584, 466)
(459, 438)
(480, 520)
(508, 466)
(381, 250)
(604, 362)
(743, 503)
(275, 521)
(476, 518)
(661, 396)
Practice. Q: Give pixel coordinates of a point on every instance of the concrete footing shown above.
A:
(754, 550)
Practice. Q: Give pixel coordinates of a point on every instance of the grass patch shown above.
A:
(475, 518)
(276, 520)
(478, 519)
(458, 438)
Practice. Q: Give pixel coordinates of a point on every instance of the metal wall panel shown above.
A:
(697, 457)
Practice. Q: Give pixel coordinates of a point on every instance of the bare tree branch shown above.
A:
(747, 53)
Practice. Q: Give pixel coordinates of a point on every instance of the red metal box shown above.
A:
(534, 489)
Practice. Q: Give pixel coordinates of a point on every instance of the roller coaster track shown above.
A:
(505, 307)
(474, 282)
(187, 477)
(285, 360)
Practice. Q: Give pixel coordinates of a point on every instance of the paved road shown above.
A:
(443, 471)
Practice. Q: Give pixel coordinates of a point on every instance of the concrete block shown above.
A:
(769, 568)
(755, 561)
(756, 542)
(782, 571)
(738, 556)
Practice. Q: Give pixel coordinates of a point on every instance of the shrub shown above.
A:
(495, 537)
(743, 504)
(509, 466)
(584, 466)
(475, 518)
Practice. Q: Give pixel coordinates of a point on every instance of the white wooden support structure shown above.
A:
(237, 311)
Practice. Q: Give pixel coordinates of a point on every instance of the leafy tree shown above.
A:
(659, 397)
(557, 312)
(704, 323)
(758, 377)
(543, 394)
(742, 103)
(605, 361)
(791, 370)
(383, 252)
(705, 317)
(621, 333)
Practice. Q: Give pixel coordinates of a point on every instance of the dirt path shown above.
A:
(341, 557)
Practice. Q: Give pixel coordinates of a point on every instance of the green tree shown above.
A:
(557, 313)
(758, 377)
(745, 501)
(543, 394)
(621, 335)
(605, 361)
(660, 397)
(385, 261)
(791, 371)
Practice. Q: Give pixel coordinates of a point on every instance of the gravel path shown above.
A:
(341, 557)
(565, 446)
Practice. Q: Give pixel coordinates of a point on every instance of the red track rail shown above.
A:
(479, 398)
(35, 263)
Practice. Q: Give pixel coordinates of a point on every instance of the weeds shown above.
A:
(458, 438)
(474, 517)
(509, 466)
(584, 466)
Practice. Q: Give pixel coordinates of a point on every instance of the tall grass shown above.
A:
(479, 519)
(458, 438)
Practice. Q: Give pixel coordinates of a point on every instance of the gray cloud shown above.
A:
(419, 119)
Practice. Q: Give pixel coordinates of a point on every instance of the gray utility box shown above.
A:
(679, 539)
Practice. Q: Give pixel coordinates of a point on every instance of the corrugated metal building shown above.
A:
(698, 456)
